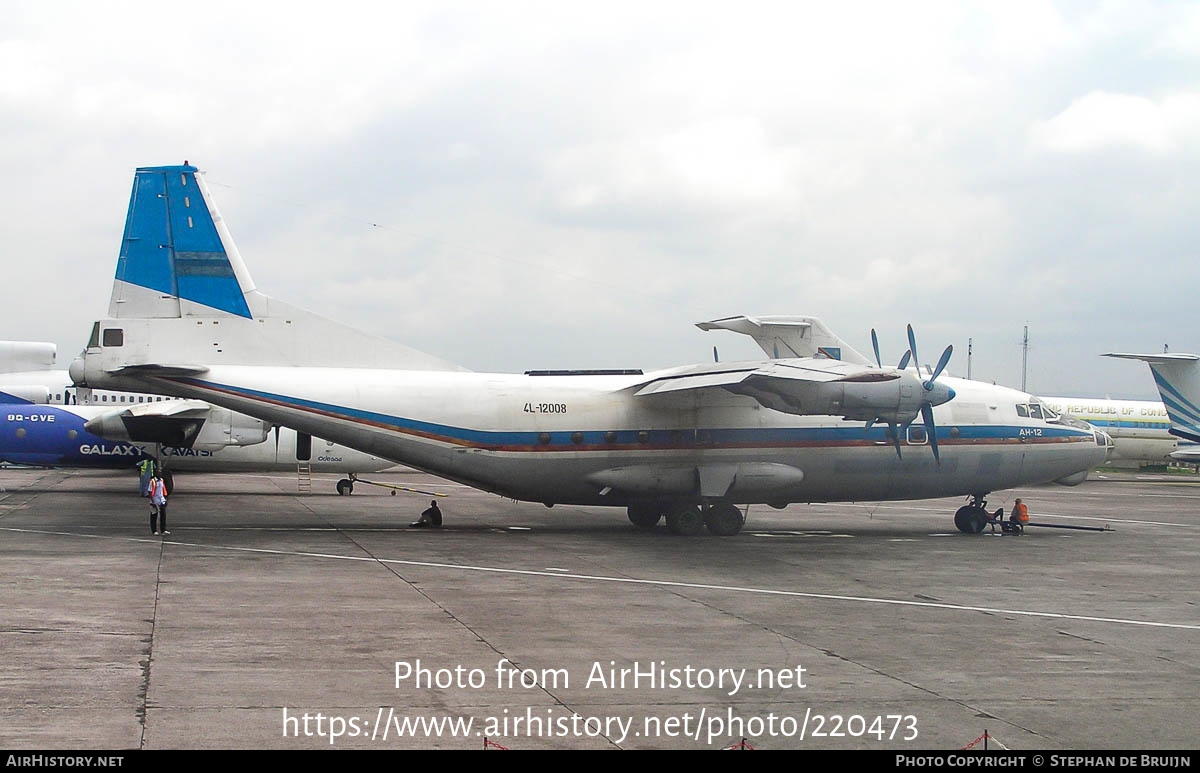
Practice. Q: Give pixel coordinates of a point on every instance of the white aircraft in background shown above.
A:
(1177, 377)
(1140, 429)
(691, 443)
(47, 422)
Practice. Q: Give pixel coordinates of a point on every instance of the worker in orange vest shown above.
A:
(1020, 516)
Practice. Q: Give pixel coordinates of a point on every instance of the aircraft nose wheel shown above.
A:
(345, 487)
(970, 519)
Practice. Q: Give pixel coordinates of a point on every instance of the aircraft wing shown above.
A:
(807, 386)
(727, 375)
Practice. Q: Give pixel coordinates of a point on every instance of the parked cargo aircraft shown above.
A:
(1177, 377)
(48, 422)
(691, 443)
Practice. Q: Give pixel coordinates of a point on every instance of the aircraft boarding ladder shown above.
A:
(304, 477)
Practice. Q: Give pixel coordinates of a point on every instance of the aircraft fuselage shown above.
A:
(590, 440)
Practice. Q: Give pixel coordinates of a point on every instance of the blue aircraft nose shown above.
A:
(951, 391)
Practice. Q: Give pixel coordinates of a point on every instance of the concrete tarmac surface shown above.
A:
(264, 605)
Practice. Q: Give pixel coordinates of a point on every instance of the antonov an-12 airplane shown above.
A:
(690, 443)
(45, 421)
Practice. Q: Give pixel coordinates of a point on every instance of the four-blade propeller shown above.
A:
(934, 394)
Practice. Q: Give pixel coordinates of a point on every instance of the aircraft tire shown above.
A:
(724, 520)
(685, 521)
(970, 520)
(645, 515)
(345, 487)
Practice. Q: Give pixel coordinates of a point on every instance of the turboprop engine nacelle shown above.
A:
(227, 428)
(886, 395)
(182, 424)
(898, 400)
(17, 356)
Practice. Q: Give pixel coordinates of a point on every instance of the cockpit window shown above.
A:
(114, 336)
(95, 339)
(1047, 412)
(1023, 411)
(1035, 411)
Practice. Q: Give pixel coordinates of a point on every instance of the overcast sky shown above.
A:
(515, 185)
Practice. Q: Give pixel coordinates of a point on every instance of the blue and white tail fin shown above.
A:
(182, 295)
(1178, 379)
(177, 257)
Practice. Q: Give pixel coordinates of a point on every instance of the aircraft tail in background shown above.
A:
(784, 337)
(1178, 379)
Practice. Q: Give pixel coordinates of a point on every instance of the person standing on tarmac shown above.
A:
(158, 505)
(145, 473)
(432, 516)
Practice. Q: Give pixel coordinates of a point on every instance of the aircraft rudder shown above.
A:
(1178, 382)
(177, 258)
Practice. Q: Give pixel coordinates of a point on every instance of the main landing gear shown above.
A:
(972, 518)
(722, 519)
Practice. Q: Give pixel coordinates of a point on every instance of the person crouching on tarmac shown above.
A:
(431, 517)
(1020, 516)
(158, 505)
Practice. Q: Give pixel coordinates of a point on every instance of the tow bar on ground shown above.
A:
(1015, 527)
(396, 488)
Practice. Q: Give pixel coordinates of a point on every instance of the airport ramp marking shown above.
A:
(636, 581)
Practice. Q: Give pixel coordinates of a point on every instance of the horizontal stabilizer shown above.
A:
(1155, 359)
(164, 371)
